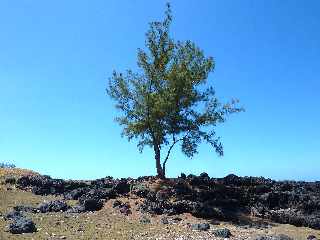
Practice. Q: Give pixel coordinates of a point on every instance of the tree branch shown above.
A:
(172, 145)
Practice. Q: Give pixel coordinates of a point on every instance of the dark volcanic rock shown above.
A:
(41, 185)
(163, 195)
(44, 185)
(116, 204)
(86, 206)
(204, 210)
(13, 215)
(77, 209)
(75, 194)
(231, 179)
(311, 237)
(22, 225)
(164, 220)
(183, 176)
(296, 203)
(295, 218)
(53, 206)
(203, 179)
(107, 182)
(155, 207)
(97, 194)
(200, 226)
(124, 208)
(145, 220)
(274, 237)
(122, 187)
(179, 207)
(92, 204)
(223, 233)
(23, 208)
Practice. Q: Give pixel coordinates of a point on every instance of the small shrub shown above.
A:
(10, 180)
(7, 165)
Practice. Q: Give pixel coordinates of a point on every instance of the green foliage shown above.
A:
(7, 165)
(167, 102)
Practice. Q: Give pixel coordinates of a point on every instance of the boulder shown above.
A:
(231, 179)
(223, 233)
(183, 176)
(180, 207)
(121, 187)
(75, 194)
(13, 215)
(155, 207)
(97, 194)
(23, 208)
(116, 204)
(22, 225)
(77, 209)
(164, 220)
(53, 206)
(140, 190)
(311, 237)
(205, 177)
(145, 220)
(200, 226)
(274, 237)
(92, 204)
(125, 209)
(163, 195)
(204, 210)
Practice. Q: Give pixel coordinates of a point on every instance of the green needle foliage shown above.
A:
(167, 102)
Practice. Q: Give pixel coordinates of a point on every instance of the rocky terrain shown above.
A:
(34, 206)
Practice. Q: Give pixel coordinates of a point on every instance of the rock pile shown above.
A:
(296, 203)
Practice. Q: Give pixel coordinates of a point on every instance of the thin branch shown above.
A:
(168, 153)
(172, 145)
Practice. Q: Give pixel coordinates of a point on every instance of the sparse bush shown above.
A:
(10, 180)
(7, 165)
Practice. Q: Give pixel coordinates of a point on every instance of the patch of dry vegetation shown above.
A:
(15, 172)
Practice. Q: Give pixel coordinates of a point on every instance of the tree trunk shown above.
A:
(160, 172)
(164, 170)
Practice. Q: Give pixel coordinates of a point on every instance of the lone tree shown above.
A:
(166, 103)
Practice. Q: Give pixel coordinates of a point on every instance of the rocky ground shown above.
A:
(33, 206)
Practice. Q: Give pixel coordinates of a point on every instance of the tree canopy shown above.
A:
(168, 102)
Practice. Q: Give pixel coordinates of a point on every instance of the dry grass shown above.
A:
(15, 172)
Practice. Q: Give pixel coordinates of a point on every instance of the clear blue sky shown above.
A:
(56, 57)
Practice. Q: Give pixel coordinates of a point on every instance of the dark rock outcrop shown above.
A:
(296, 203)
(53, 206)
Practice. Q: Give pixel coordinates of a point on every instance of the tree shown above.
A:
(167, 103)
